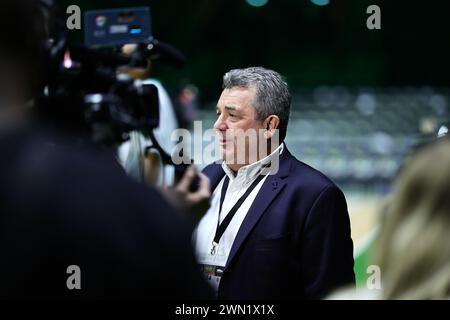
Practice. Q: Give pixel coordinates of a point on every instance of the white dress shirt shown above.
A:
(213, 264)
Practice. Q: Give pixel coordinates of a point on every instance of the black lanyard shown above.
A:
(221, 227)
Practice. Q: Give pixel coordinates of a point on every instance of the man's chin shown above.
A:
(227, 153)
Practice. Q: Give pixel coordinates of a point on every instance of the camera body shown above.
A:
(89, 89)
(85, 89)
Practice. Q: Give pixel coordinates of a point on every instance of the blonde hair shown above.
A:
(414, 246)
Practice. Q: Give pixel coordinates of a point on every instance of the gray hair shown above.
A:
(272, 92)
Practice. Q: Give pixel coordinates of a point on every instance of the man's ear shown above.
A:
(271, 123)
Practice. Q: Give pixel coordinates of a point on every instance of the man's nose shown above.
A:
(220, 124)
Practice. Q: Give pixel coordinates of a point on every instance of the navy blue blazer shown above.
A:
(294, 242)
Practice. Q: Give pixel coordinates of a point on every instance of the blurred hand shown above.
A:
(193, 203)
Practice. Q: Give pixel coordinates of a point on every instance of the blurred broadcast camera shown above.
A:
(93, 90)
(84, 87)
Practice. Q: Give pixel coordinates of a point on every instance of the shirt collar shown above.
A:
(249, 172)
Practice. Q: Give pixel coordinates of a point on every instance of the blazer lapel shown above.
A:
(270, 189)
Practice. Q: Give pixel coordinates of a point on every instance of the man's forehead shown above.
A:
(236, 98)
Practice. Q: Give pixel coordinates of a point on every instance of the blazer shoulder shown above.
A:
(302, 174)
(212, 170)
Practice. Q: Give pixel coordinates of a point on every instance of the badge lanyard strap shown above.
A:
(221, 227)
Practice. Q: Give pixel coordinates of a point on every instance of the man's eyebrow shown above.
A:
(228, 107)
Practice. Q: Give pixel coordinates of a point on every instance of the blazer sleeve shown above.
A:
(326, 247)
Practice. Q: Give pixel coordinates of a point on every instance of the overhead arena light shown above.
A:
(321, 2)
(257, 3)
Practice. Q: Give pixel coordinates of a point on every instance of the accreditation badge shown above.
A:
(212, 274)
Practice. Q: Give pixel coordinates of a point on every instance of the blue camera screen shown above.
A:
(113, 27)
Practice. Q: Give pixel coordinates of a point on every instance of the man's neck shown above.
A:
(235, 168)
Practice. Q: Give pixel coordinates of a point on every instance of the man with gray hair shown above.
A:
(276, 228)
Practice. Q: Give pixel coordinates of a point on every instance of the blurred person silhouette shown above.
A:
(188, 100)
(68, 205)
(135, 156)
(413, 247)
(140, 160)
